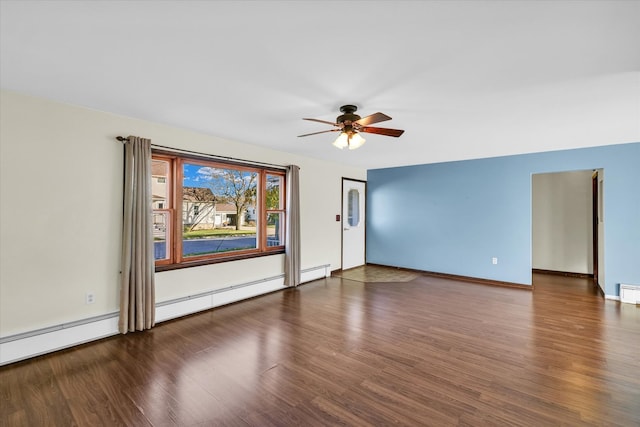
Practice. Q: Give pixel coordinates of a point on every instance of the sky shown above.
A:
(195, 175)
(200, 176)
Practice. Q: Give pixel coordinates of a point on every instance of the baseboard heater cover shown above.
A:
(34, 343)
(630, 293)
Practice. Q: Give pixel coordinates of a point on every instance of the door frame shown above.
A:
(595, 221)
(342, 219)
(597, 209)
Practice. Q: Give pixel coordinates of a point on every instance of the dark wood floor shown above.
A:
(342, 352)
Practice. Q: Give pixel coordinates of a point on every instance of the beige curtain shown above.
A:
(137, 288)
(292, 254)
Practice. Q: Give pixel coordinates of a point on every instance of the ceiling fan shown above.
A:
(350, 125)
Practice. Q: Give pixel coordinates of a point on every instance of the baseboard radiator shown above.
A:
(22, 346)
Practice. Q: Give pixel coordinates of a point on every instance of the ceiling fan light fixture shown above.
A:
(341, 141)
(356, 141)
(352, 140)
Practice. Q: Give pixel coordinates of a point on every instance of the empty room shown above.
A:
(275, 213)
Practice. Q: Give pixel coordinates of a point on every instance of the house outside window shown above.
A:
(207, 211)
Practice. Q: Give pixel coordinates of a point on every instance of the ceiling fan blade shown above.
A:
(374, 118)
(322, 121)
(383, 131)
(316, 133)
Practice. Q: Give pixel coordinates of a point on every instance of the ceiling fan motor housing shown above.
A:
(348, 116)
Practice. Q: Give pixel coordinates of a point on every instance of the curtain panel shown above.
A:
(137, 287)
(292, 252)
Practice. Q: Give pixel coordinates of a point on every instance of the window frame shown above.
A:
(174, 205)
(167, 209)
(280, 210)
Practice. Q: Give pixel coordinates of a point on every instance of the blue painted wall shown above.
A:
(454, 217)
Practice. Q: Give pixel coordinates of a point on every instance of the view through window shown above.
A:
(209, 211)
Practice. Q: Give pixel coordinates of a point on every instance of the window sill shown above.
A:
(168, 267)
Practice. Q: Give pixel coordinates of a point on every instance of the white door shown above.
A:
(353, 216)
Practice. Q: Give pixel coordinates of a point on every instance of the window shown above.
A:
(161, 216)
(275, 210)
(353, 207)
(206, 211)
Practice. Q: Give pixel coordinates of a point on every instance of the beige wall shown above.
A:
(60, 212)
(562, 226)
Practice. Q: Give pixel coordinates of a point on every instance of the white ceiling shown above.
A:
(465, 79)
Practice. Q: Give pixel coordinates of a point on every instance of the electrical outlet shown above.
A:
(494, 260)
(89, 298)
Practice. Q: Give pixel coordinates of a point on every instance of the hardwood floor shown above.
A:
(429, 351)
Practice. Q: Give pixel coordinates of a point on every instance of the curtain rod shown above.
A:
(211, 156)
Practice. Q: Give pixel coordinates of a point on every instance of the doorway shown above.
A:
(353, 223)
(567, 224)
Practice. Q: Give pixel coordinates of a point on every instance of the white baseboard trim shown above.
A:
(612, 297)
(37, 342)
